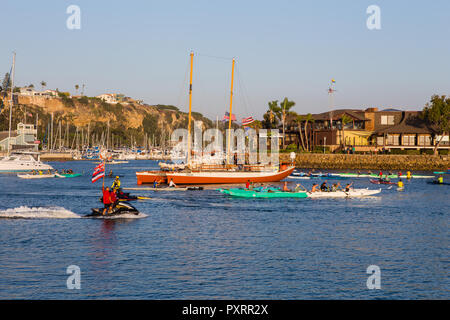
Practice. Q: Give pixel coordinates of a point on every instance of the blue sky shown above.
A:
(283, 49)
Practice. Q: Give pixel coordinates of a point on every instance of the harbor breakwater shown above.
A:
(369, 162)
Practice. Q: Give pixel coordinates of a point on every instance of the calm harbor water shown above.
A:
(205, 245)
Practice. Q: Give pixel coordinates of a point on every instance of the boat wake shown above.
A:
(25, 212)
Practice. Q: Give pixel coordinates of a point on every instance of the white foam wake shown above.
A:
(25, 212)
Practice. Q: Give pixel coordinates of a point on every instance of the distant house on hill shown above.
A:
(109, 98)
(49, 93)
(115, 98)
(28, 91)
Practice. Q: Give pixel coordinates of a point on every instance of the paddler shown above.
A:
(324, 186)
(408, 175)
(172, 184)
(347, 187)
(335, 187)
(285, 187)
(400, 184)
(116, 184)
(441, 179)
(155, 184)
(315, 188)
(247, 185)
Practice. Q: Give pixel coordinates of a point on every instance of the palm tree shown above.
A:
(287, 105)
(307, 118)
(274, 110)
(344, 120)
(299, 119)
(76, 88)
(43, 84)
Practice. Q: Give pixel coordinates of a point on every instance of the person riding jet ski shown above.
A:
(116, 184)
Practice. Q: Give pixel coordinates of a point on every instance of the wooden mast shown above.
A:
(230, 115)
(190, 109)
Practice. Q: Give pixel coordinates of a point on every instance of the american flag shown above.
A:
(247, 121)
(99, 172)
(227, 117)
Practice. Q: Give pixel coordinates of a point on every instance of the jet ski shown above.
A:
(437, 182)
(121, 208)
(125, 196)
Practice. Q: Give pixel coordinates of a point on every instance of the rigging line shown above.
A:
(181, 89)
(214, 57)
(242, 88)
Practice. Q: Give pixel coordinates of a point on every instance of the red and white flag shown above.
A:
(99, 172)
(247, 121)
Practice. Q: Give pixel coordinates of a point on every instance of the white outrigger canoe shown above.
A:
(36, 176)
(353, 193)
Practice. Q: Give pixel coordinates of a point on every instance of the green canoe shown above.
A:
(68, 175)
(243, 193)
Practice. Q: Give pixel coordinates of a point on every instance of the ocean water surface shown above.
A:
(205, 245)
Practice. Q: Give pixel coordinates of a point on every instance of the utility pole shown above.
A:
(11, 102)
(51, 133)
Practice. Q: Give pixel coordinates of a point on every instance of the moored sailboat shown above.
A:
(200, 173)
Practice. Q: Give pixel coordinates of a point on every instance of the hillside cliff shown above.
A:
(127, 122)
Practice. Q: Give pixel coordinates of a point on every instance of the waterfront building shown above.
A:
(25, 137)
(367, 130)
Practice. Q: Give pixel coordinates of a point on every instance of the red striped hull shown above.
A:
(227, 177)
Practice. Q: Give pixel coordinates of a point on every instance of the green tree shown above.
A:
(76, 88)
(6, 83)
(43, 84)
(272, 115)
(437, 115)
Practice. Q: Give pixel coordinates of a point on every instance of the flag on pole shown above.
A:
(226, 117)
(247, 121)
(99, 172)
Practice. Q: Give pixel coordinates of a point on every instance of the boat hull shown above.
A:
(227, 177)
(243, 193)
(355, 193)
(35, 176)
(149, 177)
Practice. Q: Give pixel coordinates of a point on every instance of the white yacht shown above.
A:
(22, 162)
